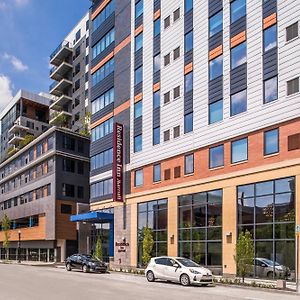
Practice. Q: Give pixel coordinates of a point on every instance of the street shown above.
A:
(43, 283)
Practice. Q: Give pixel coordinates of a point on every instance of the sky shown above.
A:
(29, 31)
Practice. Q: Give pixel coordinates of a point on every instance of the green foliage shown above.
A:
(148, 244)
(28, 139)
(244, 254)
(98, 249)
(11, 151)
(85, 121)
(6, 227)
(60, 119)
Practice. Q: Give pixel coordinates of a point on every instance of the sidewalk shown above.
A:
(29, 263)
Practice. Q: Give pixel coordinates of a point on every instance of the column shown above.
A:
(298, 223)
(172, 226)
(133, 235)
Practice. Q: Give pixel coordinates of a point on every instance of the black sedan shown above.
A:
(86, 263)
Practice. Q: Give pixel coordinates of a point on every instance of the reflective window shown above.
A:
(104, 43)
(138, 75)
(238, 103)
(216, 112)
(188, 41)
(102, 188)
(270, 38)
(270, 89)
(105, 13)
(138, 143)
(156, 173)
(156, 99)
(138, 42)
(156, 27)
(104, 100)
(238, 55)
(237, 10)
(156, 63)
(138, 178)
(103, 129)
(216, 23)
(188, 5)
(189, 164)
(103, 72)
(138, 109)
(271, 142)
(216, 67)
(188, 82)
(139, 7)
(239, 150)
(156, 136)
(188, 123)
(102, 159)
(216, 157)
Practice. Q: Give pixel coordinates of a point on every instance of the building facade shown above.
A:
(208, 95)
(41, 186)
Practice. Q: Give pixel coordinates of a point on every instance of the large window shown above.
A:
(238, 55)
(215, 112)
(105, 13)
(138, 178)
(103, 72)
(138, 75)
(139, 8)
(102, 188)
(138, 109)
(216, 23)
(104, 43)
(104, 100)
(216, 67)
(267, 211)
(238, 103)
(188, 82)
(188, 164)
(188, 41)
(103, 129)
(156, 27)
(102, 159)
(138, 42)
(239, 150)
(156, 136)
(157, 173)
(270, 38)
(153, 215)
(138, 143)
(188, 5)
(200, 227)
(188, 123)
(271, 142)
(156, 63)
(216, 157)
(237, 10)
(270, 89)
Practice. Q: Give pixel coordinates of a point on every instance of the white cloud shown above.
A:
(5, 91)
(21, 2)
(16, 63)
(13, 3)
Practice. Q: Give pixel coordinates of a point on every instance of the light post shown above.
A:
(19, 247)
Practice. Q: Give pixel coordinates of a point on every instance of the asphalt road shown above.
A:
(46, 283)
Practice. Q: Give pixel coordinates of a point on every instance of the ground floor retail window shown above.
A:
(267, 211)
(200, 227)
(153, 215)
(27, 254)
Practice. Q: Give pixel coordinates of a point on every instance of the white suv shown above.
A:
(177, 269)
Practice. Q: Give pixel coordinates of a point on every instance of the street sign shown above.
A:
(297, 229)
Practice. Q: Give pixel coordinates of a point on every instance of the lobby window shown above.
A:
(270, 38)
(156, 63)
(188, 41)
(216, 67)
(157, 173)
(293, 86)
(156, 26)
(216, 23)
(188, 123)
(238, 103)
(138, 109)
(216, 157)
(153, 215)
(188, 164)
(238, 55)
(239, 150)
(138, 178)
(156, 99)
(138, 143)
(188, 5)
(267, 210)
(188, 82)
(237, 10)
(200, 227)
(138, 42)
(292, 31)
(156, 136)
(139, 7)
(216, 112)
(271, 141)
(270, 89)
(138, 75)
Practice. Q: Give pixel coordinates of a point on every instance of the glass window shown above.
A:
(156, 136)
(216, 23)
(189, 164)
(156, 27)
(138, 143)
(216, 67)
(216, 112)
(239, 150)
(105, 13)
(138, 178)
(238, 55)
(188, 41)
(188, 82)
(139, 7)
(271, 142)
(216, 157)
(138, 109)
(270, 89)
(104, 43)
(188, 5)
(188, 123)
(156, 99)
(156, 173)
(139, 42)
(103, 72)
(237, 9)
(292, 31)
(156, 63)
(138, 75)
(270, 38)
(238, 103)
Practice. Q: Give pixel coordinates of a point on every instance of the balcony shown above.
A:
(60, 53)
(15, 138)
(19, 125)
(57, 88)
(60, 118)
(59, 103)
(57, 73)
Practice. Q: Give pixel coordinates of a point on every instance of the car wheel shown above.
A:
(150, 276)
(85, 269)
(185, 280)
(68, 267)
(270, 275)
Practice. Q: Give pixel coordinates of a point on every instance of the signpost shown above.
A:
(297, 231)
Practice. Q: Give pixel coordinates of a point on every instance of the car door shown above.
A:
(79, 262)
(171, 272)
(73, 261)
(158, 268)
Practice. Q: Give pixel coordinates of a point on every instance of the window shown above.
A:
(188, 41)
(66, 209)
(167, 59)
(156, 173)
(237, 10)
(270, 38)
(176, 132)
(104, 100)
(68, 165)
(68, 190)
(139, 42)
(80, 146)
(138, 143)
(188, 82)
(138, 178)
(216, 67)
(216, 157)
(166, 135)
(293, 86)
(139, 7)
(188, 123)
(166, 97)
(68, 143)
(80, 192)
(50, 143)
(156, 63)
(176, 92)
(189, 164)
(105, 13)
(188, 5)
(102, 188)
(270, 90)
(103, 72)
(176, 14)
(167, 22)
(156, 136)
(102, 159)
(138, 75)
(216, 112)
(138, 109)
(271, 142)
(238, 55)
(157, 27)
(239, 151)
(102, 130)
(238, 103)
(176, 53)
(156, 99)
(292, 31)
(80, 167)
(216, 23)
(106, 41)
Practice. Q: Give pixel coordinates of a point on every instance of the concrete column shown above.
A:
(133, 235)
(48, 255)
(172, 226)
(297, 188)
(229, 213)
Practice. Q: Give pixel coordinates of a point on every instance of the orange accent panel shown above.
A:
(122, 107)
(270, 20)
(138, 97)
(102, 62)
(156, 15)
(238, 39)
(123, 44)
(103, 119)
(216, 52)
(188, 68)
(99, 9)
(156, 87)
(139, 30)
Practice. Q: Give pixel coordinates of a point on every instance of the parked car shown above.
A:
(265, 268)
(86, 263)
(179, 269)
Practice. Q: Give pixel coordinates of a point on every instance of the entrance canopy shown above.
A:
(93, 217)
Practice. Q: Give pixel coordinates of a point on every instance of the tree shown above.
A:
(6, 227)
(98, 249)
(148, 244)
(27, 139)
(244, 254)
(85, 121)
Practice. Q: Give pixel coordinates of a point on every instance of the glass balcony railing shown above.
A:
(63, 44)
(53, 85)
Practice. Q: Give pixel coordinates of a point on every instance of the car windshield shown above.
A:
(270, 262)
(187, 263)
(89, 257)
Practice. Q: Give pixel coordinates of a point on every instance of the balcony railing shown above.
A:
(63, 44)
(53, 85)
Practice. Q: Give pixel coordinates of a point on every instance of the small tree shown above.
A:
(85, 121)
(6, 227)
(244, 254)
(27, 139)
(98, 249)
(148, 244)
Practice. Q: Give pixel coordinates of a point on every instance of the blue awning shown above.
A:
(93, 217)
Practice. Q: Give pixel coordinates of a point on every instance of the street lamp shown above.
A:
(19, 247)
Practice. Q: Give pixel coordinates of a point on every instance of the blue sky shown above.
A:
(30, 30)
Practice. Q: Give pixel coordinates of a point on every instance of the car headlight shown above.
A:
(194, 271)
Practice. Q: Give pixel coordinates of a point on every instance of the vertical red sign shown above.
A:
(118, 163)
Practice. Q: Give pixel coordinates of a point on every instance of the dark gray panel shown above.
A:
(215, 89)
(139, 21)
(102, 55)
(102, 86)
(156, 117)
(269, 7)
(106, 197)
(156, 45)
(156, 77)
(214, 6)
(270, 63)
(188, 102)
(102, 144)
(127, 182)
(238, 79)
(238, 26)
(138, 88)
(156, 5)
(188, 21)
(138, 126)
(105, 27)
(96, 3)
(123, 20)
(188, 57)
(122, 87)
(101, 170)
(138, 58)
(216, 40)
(103, 112)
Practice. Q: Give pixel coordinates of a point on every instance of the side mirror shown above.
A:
(176, 266)
(263, 265)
